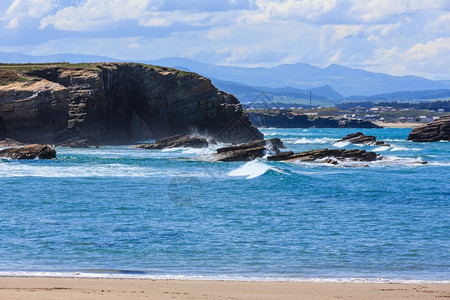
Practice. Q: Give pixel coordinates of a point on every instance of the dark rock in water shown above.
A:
(360, 138)
(314, 155)
(280, 156)
(176, 141)
(11, 143)
(29, 152)
(249, 151)
(283, 120)
(275, 142)
(117, 103)
(434, 131)
(242, 154)
(76, 144)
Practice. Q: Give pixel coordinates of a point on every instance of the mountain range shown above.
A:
(334, 82)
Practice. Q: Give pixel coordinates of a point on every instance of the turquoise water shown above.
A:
(124, 211)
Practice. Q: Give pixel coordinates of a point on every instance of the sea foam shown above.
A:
(251, 169)
(304, 140)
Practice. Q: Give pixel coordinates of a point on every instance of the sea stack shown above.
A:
(115, 103)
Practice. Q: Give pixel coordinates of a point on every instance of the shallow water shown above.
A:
(119, 210)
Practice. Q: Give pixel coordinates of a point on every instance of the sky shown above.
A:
(398, 37)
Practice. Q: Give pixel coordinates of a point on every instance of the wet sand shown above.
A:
(80, 288)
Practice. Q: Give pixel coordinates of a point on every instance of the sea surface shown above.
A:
(124, 212)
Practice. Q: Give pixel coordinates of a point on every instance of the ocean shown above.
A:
(121, 212)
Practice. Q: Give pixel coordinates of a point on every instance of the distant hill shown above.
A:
(246, 93)
(405, 96)
(345, 81)
(333, 82)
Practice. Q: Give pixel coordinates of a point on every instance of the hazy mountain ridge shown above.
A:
(333, 82)
(406, 95)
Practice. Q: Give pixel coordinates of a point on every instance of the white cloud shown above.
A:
(437, 48)
(21, 9)
(421, 59)
(392, 36)
(96, 14)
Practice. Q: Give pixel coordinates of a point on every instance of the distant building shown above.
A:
(425, 119)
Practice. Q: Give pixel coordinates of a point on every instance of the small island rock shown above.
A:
(360, 138)
(29, 152)
(338, 154)
(249, 151)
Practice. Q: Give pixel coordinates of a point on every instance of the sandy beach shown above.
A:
(82, 288)
(398, 124)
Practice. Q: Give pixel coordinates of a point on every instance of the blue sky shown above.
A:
(397, 37)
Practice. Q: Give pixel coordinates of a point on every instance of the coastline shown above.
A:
(102, 288)
(398, 124)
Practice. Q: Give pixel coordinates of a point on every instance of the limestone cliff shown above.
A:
(113, 103)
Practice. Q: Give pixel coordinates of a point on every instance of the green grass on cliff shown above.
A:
(10, 73)
(8, 77)
(177, 72)
(31, 67)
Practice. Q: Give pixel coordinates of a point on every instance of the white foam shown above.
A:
(172, 149)
(304, 140)
(269, 278)
(198, 151)
(381, 149)
(341, 144)
(400, 149)
(251, 169)
(87, 170)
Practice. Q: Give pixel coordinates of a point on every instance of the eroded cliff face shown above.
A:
(114, 103)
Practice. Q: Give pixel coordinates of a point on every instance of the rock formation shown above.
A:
(29, 152)
(76, 144)
(283, 120)
(249, 151)
(116, 103)
(361, 139)
(176, 142)
(11, 143)
(257, 149)
(435, 131)
(327, 154)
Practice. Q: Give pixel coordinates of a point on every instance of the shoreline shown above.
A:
(224, 278)
(397, 124)
(101, 288)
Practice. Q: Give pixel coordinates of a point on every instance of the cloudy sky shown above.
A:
(397, 37)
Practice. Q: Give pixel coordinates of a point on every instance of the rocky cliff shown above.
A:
(114, 103)
(438, 130)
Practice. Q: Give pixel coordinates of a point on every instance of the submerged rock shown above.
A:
(328, 154)
(360, 138)
(435, 131)
(176, 141)
(29, 152)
